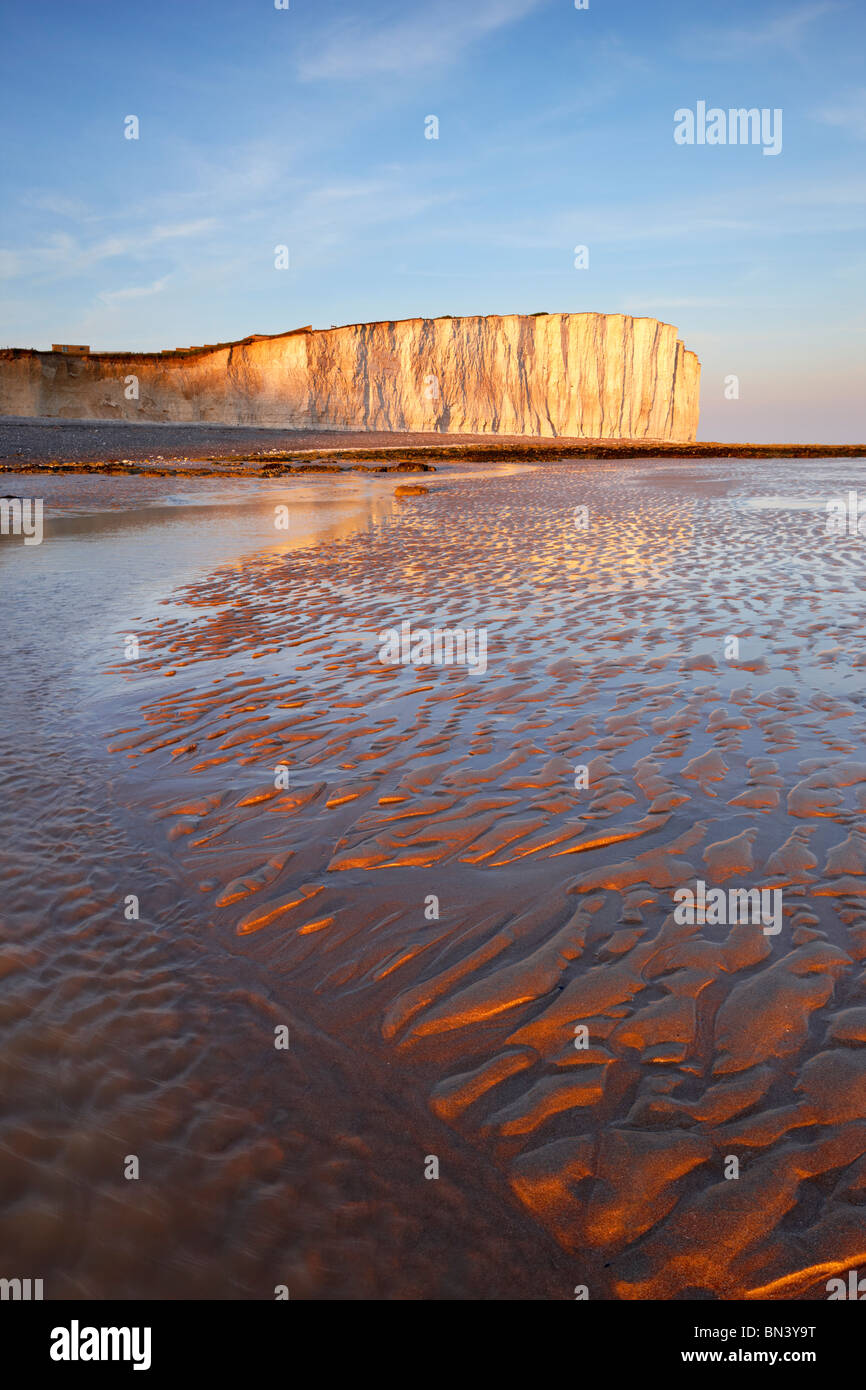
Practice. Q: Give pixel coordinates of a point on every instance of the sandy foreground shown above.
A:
(438, 901)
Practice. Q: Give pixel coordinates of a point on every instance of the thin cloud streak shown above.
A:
(437, 36)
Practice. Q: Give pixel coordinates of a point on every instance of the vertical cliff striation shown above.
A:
(592, 376)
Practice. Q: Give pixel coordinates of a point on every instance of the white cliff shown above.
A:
(594, 376)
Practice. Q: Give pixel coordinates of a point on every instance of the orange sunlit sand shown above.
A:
(310, 901)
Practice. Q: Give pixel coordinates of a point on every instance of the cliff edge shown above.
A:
(591, 376)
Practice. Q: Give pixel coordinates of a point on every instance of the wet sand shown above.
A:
(447, 1033)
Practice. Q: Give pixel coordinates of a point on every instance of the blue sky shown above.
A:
(306, 128)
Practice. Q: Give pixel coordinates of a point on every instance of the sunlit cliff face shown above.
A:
(593, 376)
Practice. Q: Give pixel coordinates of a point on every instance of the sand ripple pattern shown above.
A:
(607, 650)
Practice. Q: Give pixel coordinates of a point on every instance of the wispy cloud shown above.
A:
(58, 205)
(61, 254)
(803, 207)
(110, 298)
(437, 34)
(665, 302)
(848, 114)
(786, 32)
(136, 242)
(10, 264)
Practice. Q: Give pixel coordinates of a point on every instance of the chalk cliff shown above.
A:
(596, 376)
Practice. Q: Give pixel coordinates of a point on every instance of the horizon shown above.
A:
(262, 128)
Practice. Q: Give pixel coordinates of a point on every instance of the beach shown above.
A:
(284, 921)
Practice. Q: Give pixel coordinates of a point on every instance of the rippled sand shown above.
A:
(310, 905)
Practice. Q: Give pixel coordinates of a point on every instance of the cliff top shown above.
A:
(334, 328)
